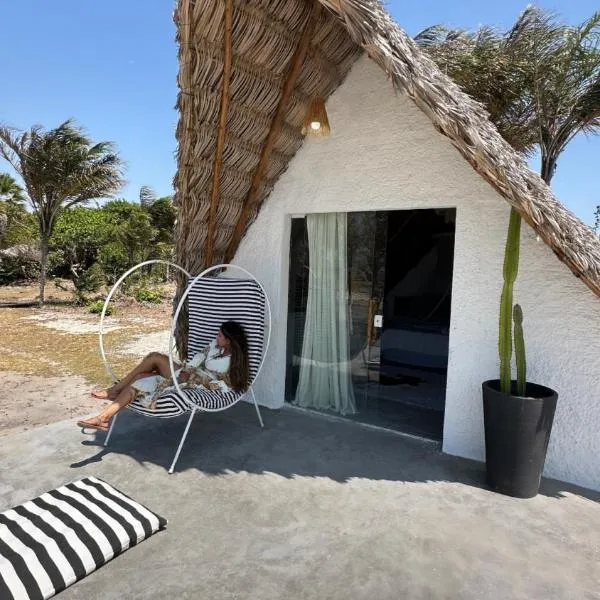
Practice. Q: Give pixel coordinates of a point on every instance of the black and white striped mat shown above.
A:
(50, 542)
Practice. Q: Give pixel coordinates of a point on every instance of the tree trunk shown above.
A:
(43, 265)
(548, 168)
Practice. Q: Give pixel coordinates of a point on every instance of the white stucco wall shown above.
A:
(384, 154)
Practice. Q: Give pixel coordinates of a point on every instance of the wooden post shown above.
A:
(223, 112)
(253, 196)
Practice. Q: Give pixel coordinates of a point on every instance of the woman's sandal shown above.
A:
(94, 423)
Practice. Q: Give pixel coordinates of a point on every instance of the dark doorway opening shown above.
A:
(399, 291)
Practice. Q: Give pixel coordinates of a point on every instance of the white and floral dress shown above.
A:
(208, 369)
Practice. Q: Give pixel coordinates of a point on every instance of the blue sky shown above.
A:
(112, 66)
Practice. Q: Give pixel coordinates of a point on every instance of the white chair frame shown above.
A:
(194, 408)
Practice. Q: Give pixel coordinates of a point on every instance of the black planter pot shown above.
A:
(517, 432)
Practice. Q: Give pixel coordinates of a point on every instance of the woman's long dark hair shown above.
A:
(239, 371)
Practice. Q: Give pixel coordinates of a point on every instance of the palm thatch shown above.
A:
(249, 70)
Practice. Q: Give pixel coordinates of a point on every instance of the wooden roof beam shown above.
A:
(295, 67)
(223, 113)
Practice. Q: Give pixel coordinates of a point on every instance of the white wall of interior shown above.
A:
(384, 154)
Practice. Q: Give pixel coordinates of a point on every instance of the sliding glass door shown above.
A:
(369, 314)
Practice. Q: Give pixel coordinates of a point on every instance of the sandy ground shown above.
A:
(157, 341)
(51, 359)
(55, 290)
(28, 401)
(71, 324)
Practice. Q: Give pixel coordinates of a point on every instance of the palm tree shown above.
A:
(10, 191)
(12, 204)
(540, 81)
(493, 68)
(60, 168)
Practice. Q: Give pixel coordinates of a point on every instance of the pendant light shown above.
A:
(316, 123)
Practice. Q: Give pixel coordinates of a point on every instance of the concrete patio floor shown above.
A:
(313, 509)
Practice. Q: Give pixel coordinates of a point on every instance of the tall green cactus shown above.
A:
(511, 268)
(520, 351)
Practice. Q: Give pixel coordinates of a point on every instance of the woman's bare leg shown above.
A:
(101, 421)
(124, 398)
(153, 364)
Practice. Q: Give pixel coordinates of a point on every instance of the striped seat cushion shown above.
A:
(213, 301)
(50, 542)
(167, 406)
(172, 405)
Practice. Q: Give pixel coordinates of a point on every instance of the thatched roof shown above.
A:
(248, 72)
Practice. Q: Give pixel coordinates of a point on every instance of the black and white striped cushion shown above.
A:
(167, 406)
(214, 300)
(211, 302)
(50, 542)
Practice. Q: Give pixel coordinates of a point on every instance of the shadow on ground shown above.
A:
(312, 508)
(293, 443)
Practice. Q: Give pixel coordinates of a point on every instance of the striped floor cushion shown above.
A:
(63, 535)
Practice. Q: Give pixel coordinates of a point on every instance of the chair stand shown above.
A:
(256, 407)
(110, 429)
(187, 428)
(186, 431)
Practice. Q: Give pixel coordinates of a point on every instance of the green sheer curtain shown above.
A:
(325, 375)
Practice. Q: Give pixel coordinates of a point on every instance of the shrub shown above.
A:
(96, 308)
(144, 294)
(19, 263)
(17, 226)
(91, 280)
(113, 259)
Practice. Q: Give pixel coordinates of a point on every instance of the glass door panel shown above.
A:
(396, 326)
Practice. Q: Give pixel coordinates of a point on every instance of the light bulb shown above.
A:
(315, 125)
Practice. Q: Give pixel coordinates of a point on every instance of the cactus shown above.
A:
(511, 268)
(520, 351)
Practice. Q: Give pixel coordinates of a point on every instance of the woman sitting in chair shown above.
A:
(222, 366)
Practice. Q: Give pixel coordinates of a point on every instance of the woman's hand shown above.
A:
(183, 376)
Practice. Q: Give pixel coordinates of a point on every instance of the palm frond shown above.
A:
(12, 144)
(10, 190)
(590, 28)
(539, 80)
(431, 35)
(147, 196)
(490, 70)
(568, 87)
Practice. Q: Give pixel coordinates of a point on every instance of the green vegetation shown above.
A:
(17, 226)
(520, 356)
(92, 246)
(145, 294)
(96, 307)
(10, 191)
(60, 168)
